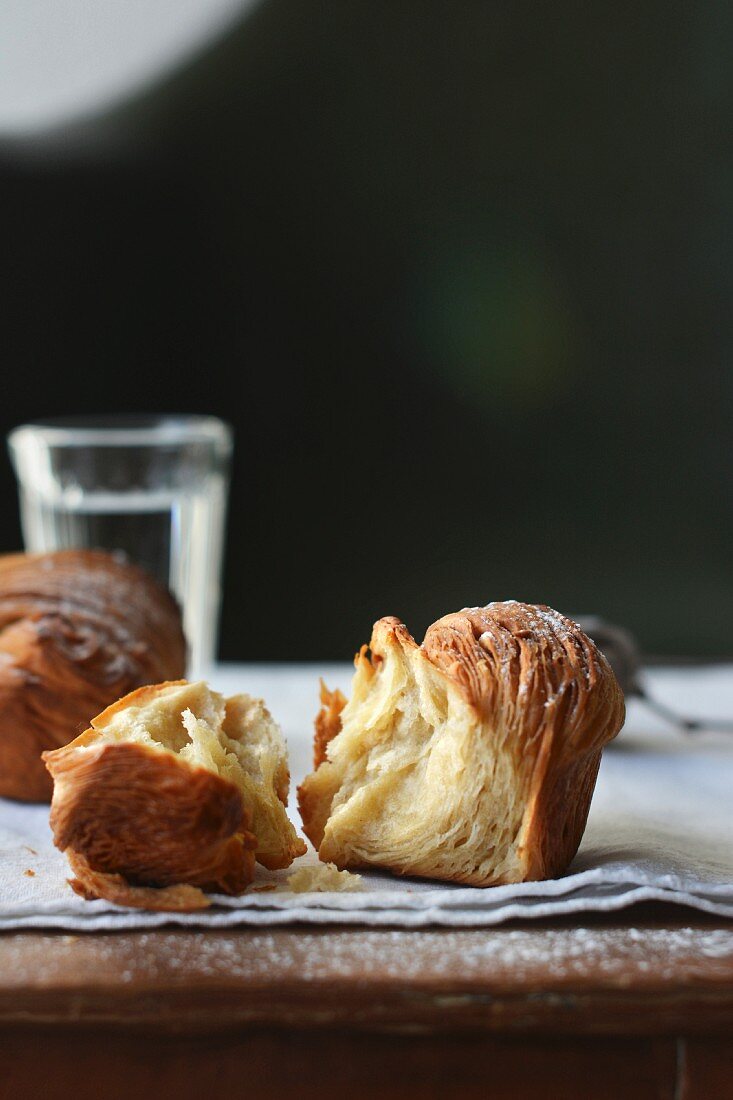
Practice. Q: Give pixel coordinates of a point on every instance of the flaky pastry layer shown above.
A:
(471, 758)
(173, 786)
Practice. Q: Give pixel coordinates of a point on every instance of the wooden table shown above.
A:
(634, 1006)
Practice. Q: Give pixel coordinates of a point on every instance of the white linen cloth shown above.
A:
(660, 827)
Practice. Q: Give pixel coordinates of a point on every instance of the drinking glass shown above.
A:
(153, 488)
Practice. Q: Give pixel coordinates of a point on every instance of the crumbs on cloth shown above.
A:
(322, 876)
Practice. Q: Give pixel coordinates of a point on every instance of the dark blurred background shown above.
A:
(459, 274)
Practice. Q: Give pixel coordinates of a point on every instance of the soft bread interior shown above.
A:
(415, 781)
(234, 738)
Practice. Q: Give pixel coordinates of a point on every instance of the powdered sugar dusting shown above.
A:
(543, 620)
(561, 955)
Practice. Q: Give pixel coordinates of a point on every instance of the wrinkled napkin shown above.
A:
(660, 828)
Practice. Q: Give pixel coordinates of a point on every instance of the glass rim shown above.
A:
(124, 431)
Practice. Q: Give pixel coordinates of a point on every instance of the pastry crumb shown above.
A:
(264, 889)
(323, 877)
(29, 873)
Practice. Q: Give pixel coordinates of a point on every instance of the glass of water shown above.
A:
(154, 488)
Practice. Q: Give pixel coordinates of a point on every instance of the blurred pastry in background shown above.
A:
(78, 629)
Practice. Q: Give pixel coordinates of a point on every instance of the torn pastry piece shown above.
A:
(471, 758)
(173, 787)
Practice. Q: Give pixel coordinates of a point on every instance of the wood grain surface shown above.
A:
(638, 1005)
(588, 976)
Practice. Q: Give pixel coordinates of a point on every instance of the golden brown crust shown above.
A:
(328, 721)
(386, 632)
(533, 663)
(313, 809)
(529, 650)
(512, 704)
(93, 885)
(78, 629)
(131, 810)
(514, 654)
(556, 822)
